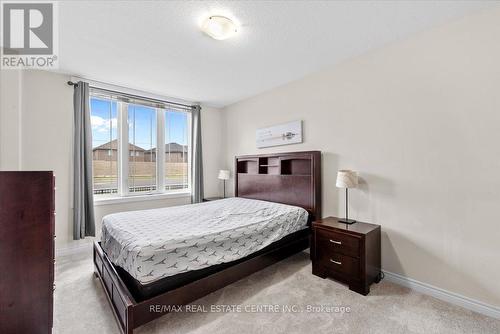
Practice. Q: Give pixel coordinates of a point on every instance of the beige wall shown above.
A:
(420, 121)
(10, 118)
(36, 134)
(213, 157)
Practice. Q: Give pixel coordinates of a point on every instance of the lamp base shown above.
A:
(347, 221)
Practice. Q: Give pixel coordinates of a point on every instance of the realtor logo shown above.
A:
(28, 35)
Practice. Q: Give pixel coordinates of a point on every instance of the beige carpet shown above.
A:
(81, 307)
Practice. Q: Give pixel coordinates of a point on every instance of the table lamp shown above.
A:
(224, 175)
(347, 179)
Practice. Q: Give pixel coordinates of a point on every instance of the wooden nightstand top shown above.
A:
(334, 224)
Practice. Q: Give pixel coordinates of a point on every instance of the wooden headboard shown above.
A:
(292, 178)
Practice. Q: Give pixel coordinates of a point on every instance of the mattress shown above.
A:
(154, 244)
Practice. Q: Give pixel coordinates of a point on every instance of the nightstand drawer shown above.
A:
(345, 266)
(338, 243)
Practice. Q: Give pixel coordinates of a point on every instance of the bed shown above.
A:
(173, 256)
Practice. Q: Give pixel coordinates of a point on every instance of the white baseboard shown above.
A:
(444, 295)
(75, 250)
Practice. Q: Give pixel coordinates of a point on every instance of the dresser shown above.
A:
(347, 253)
(26, 252)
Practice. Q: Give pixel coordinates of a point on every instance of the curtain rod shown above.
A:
(71, 83)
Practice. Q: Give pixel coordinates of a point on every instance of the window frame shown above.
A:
(161, 107)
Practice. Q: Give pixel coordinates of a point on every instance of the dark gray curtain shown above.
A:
(83, 198)
(196, 157)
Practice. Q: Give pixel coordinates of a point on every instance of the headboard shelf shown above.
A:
(296, 166)
(247, 166)
(290, 178)
(269, 165)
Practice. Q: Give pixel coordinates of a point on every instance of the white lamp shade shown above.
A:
(224, 174)
(347, 179)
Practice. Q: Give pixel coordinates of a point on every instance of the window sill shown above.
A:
(140, 198)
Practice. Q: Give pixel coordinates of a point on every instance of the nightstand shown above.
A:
(208, 199)
(347, 253)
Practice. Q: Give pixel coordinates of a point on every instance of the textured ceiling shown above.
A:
(157, 46)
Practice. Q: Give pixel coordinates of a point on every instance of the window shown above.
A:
(126, 135)
(142, 148)
(176, 171)
(104, 146)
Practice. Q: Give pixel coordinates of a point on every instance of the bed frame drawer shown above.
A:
(120, 299)
(106, 277)
(98, 263)
(121, 309)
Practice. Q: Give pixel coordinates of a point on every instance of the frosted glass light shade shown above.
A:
(219, 27)
(224, 174)
(347, 179)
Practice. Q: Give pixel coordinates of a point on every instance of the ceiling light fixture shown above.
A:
(219, 27)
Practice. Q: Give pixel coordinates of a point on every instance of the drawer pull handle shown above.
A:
(336, 262)
(336, 242)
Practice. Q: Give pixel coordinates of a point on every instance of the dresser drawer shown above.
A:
(338, 243)
(345, 266)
